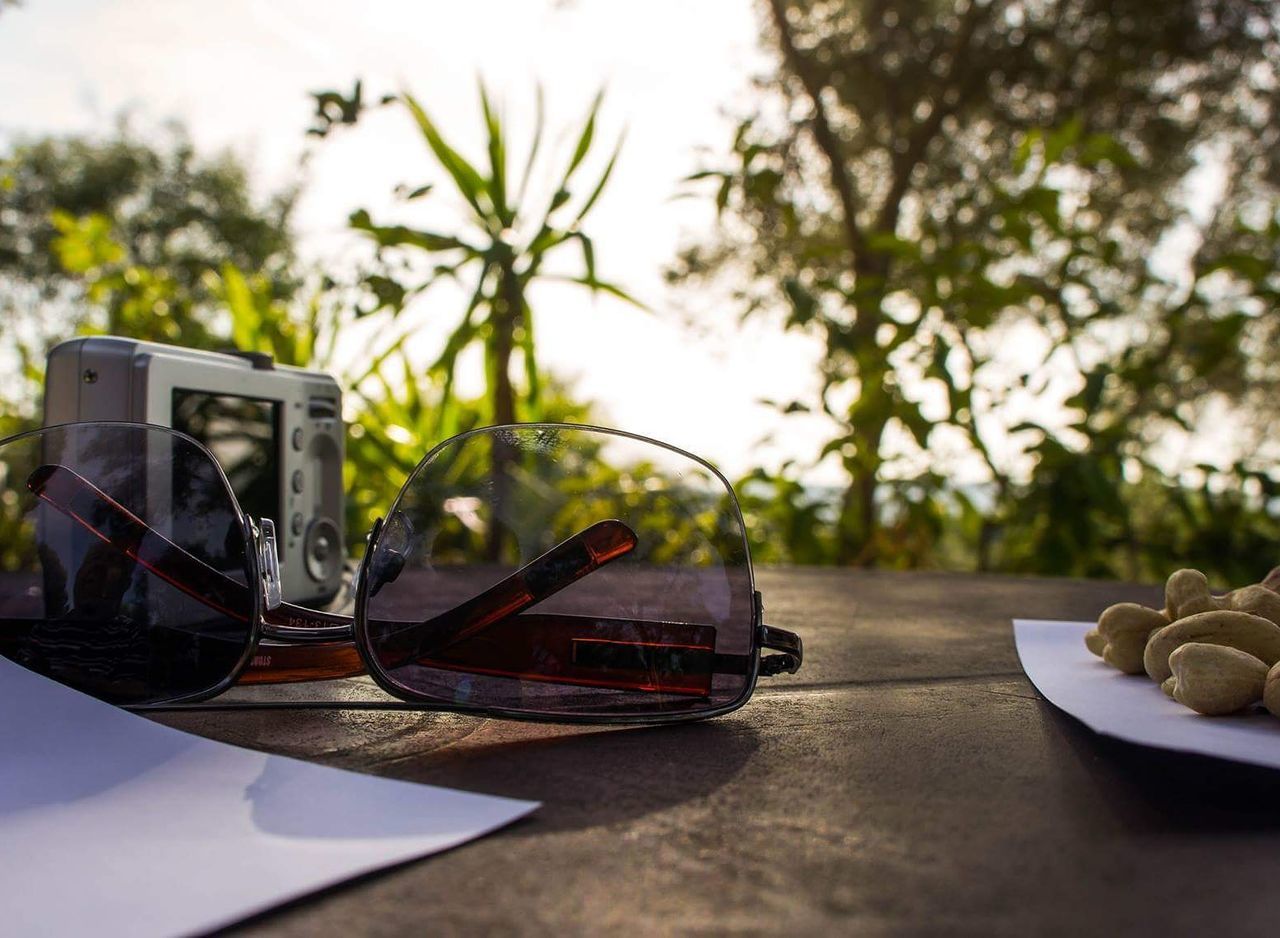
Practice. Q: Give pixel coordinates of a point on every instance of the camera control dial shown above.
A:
(322, 551)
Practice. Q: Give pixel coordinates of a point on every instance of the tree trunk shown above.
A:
(505, 318)
(858, 543)
(504, 321)
(859, 531)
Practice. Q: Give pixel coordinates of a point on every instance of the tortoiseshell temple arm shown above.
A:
(561, 566)
(623, 654)
(280, 663)
(564, 564)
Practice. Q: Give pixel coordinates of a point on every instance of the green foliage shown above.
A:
(388, 436)
(965, 215)
(169, 208)
(119, 236)
(551, 487)
(394, 403)
(124, 239)
(786, 521)
(962, 175)
(499, 253)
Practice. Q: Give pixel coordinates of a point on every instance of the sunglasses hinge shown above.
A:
(777, 639)
(264, 540)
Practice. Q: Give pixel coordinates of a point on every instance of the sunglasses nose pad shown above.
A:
(385, 570)
(268, 561)
(387, 562)
(391, 542)
(388, 565)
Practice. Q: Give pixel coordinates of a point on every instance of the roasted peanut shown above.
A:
(1253, 634)
(1186, 593)
(1094, 641)
(1215, 679)
(1271, 692)
(1257, 600)
(1122, 634)
(1272, 580)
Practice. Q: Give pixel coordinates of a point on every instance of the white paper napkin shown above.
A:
(111, 824)
(1133, 707)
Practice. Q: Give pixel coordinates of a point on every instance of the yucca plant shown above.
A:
(499, 253)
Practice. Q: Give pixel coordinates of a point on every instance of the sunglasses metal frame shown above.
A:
(319, 645)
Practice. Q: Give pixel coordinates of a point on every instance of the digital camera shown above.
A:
(276, 431)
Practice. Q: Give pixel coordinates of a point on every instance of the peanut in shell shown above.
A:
(1122, 633)
(1215, 679)
(1249, 633)
(1271, 691)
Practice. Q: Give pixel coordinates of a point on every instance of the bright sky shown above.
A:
(237, 73)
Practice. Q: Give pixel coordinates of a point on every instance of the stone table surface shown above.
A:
(908, 780)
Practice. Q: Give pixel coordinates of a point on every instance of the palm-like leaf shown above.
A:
(498, 315)
(465, 177)
(600, 184)
(497, 182)
(538, 124)
(402, 236)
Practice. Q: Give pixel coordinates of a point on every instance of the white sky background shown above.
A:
(237, 73)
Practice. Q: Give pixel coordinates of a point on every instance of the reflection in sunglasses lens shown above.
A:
(95, 590)
(562, 570)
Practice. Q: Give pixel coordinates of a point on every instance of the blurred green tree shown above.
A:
(120, 235)
(963, 200)
(500, 251)
(156, 242)
(166, 207)
(162, 244)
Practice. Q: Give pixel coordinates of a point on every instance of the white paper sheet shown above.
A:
(111, 824)
(1132, 707)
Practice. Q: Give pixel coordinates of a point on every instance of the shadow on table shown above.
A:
(594, 778)
(584, 779)
(1158, 790)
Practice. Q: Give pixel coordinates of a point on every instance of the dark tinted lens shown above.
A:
(561, 570)
(124, 567)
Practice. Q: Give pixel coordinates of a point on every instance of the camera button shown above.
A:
(295, 523)
(297, 438)
(297, 480)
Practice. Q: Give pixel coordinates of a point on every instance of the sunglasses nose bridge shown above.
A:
(264, 540)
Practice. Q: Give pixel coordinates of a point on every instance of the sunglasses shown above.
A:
(538, 571)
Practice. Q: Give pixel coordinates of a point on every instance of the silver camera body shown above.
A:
(276, 431)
